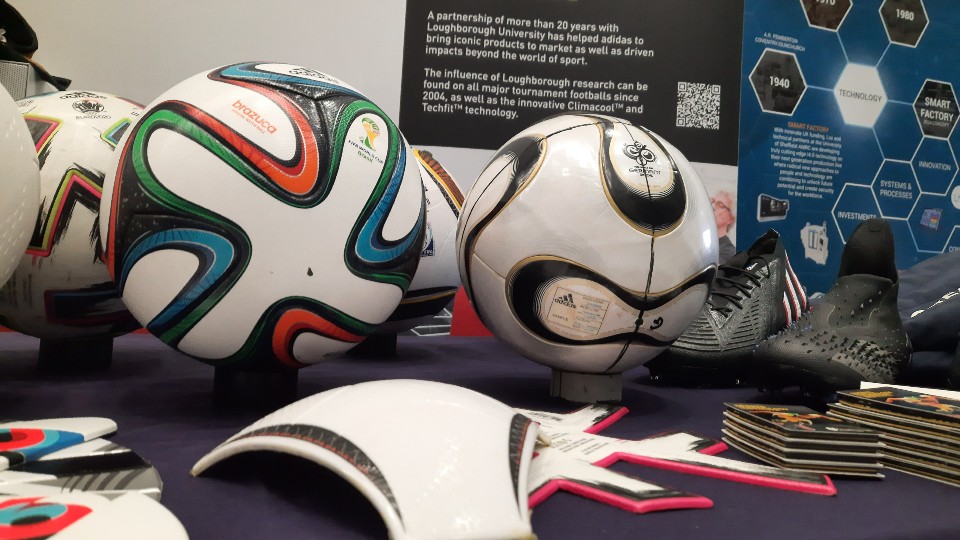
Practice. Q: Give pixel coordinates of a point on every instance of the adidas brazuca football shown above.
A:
(437, 278)
(61, 289)
(263, 215)
(587, 243)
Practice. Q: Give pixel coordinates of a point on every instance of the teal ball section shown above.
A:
(263, 215)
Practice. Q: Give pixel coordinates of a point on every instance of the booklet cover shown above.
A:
(911, 422)
(908, 403)
(799, 421)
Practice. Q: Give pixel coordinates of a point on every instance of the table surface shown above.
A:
(162, 402)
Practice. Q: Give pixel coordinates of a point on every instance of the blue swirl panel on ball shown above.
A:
(290, 192)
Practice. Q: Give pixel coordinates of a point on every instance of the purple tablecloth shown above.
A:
(162, 403)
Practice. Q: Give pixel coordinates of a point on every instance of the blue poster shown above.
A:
(847, 113)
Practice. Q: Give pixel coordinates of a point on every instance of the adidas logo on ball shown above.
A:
(566, 300)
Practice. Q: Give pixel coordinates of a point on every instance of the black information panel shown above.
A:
(477, 72)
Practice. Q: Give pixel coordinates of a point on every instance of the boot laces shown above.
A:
(734, 283)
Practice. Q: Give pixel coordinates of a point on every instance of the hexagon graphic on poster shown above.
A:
(778, 82)
(827, 14)
(932, 222)
(61, 289)
(904, 21)
(860, 94)
(934, 164)
(895, 188)
(855, 203)
(263, 215)
(936, 109)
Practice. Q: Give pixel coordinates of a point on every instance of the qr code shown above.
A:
(698, 105)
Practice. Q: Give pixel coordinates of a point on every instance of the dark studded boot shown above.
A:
(853, 334)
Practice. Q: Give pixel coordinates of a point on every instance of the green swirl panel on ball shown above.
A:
(279, 301)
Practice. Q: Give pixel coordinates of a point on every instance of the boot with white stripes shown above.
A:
(755, 295)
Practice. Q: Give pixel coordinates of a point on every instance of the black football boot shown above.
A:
(853, 334)
(755, 295)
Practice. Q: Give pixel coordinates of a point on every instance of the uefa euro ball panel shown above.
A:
(585, 233)
(61, 288)
(288, 203)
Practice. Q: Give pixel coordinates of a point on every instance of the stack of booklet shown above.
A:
(921, 431)
(800, 438)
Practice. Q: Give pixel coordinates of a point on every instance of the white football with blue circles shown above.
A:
(587, 243)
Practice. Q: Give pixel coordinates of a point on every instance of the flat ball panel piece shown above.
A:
(436, 461)
(86, 516)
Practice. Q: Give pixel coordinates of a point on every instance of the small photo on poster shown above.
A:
(931, 218)
(721, 184)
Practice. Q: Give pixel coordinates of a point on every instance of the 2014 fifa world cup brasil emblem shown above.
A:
(373, 131)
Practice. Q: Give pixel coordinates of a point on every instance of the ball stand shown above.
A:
(376, 346)
(586, 387)
(254, 388)
(75, 355)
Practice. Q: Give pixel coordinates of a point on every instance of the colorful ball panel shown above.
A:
(61, 288)
(289, 205)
